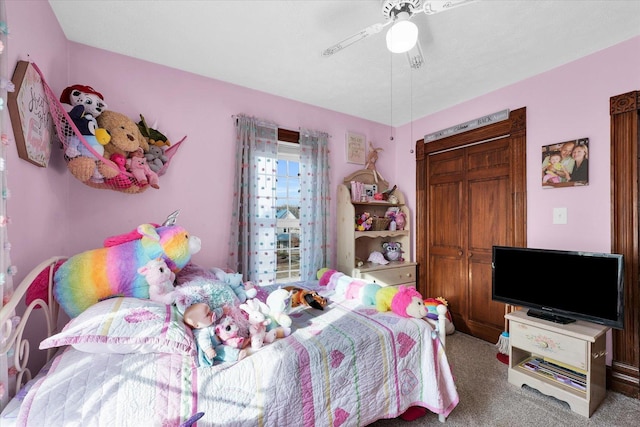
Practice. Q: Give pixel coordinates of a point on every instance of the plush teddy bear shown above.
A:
(125, 139)
(160, 279)
(137, 165)
(156, 158)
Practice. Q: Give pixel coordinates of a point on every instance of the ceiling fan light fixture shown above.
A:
(402, 36)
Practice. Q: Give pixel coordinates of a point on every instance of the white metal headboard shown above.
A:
(13, 347)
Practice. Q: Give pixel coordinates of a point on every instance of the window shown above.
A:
(288, 212)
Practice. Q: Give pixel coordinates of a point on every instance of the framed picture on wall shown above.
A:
(355, 145)
(566, 164)
(30, 117)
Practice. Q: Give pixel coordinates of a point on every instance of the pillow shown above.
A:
(126, 325)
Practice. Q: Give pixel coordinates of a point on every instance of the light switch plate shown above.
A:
(559, 215)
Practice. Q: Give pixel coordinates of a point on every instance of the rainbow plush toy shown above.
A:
(94, 275)
(432, 313)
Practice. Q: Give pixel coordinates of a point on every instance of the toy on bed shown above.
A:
(278, 305)
(405, 301)
(211, 349)
(91, 276)
(229, 332)
(432, 313)
(242, 290)
(306, 298)
(160, 279)
(258, 322)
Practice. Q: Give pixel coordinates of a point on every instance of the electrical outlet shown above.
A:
(559, 215)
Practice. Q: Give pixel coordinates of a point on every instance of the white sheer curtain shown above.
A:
(315, 244)
(253, 228)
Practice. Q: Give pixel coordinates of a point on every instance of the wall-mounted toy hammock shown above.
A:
(108, 175)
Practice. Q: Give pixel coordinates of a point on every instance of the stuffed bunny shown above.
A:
(258, 322)
(160, 279)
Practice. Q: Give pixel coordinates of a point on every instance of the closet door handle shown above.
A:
(460, 253)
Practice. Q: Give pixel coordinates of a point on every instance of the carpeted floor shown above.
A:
(487, 399)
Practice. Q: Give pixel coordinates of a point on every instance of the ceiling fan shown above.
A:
(403, 34)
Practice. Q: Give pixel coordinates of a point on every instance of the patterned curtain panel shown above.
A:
(315, 245)
(253, 228)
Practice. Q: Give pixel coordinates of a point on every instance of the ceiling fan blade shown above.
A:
(437, 6)
(371, 30)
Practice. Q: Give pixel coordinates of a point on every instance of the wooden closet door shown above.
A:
(471, 195)
(469, 212)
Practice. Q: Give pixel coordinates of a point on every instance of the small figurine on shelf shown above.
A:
(372, 158)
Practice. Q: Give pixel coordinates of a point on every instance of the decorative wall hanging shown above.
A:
(355, 148)
(30, 117)
(565, 164)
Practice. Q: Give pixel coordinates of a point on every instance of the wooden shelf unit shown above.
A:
(353, 245)
(578, 346)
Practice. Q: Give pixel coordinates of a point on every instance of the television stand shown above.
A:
(563, 361)
(550, 317)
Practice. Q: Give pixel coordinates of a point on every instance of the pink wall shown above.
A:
(54, 214)
(569, 102)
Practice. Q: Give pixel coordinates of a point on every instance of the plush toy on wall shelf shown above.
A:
(137, 165)
(83, 105)
(153, 136)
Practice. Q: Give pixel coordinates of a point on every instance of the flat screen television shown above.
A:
(561, 286)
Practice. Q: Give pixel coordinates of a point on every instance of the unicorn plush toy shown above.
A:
(94, 275)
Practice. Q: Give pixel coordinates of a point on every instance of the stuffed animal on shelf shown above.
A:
(160, 279)
(393, 251)
(137, 165)
(94, 275)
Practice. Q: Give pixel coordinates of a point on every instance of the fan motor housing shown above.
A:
(391, 8)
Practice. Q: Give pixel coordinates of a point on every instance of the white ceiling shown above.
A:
(275, 46)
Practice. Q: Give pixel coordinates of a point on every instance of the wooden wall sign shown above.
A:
(30, 117)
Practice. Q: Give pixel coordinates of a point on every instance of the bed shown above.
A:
(346, 365)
